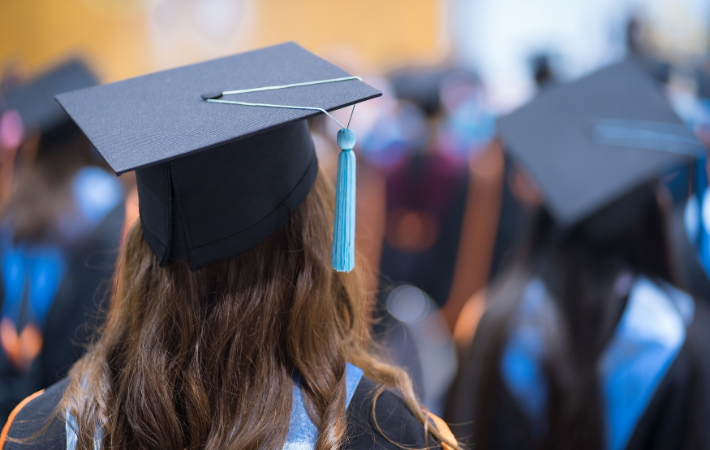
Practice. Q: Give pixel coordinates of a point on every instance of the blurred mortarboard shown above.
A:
(420, 86)
(35, 102)
(591, 142)
(214, 179)
(423, 86)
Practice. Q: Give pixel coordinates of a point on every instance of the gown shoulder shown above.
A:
(30, 418)
(392, 426)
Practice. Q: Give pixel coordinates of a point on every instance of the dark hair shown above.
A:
(579, 267)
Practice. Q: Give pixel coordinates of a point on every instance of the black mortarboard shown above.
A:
(421, 87)
(198, 205)
(35, 102)
(590, 142)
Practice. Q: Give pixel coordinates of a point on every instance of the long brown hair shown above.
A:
(205, 359)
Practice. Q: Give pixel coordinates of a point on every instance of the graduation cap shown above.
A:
(421, 86)
(34, 101)
(222, 149)
(591, 142)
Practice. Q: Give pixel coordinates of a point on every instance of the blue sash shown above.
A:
(302, 433)
(697, 226)
(646, 341)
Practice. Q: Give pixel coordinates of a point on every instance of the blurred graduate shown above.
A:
(59, 235)
(589, 341)
(442, 204)
(442, 196)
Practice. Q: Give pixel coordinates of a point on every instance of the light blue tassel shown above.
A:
(343, 257)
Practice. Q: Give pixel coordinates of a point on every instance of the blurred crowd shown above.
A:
(503, 317)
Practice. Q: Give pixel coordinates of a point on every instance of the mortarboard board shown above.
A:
(216, 179)
(35, 102)
(590, 142)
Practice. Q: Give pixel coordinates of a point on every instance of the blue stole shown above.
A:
(697, 226)
(302, 433)
(645, 343)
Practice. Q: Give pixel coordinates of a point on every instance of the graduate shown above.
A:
(589, 341)
(442, 211)
(237, 321)
(59, 236)
(442, 208)
(426, 197)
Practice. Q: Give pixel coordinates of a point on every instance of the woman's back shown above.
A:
(646, 389)
(392, 426)
(230, 327)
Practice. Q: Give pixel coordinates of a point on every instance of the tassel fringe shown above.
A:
(343, 255)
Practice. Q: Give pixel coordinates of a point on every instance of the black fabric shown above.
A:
(464, 394)
(34, 416)
(395, 426)
(432, 185)
(35, 102)
(73, 316)
(667, 419)
(161, 116)
(240, 195)
(679, 413)
(400, 345)
(392, 426)
(676, 417)
(556, 139)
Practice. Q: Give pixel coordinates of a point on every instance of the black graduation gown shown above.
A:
(431, 270)
(73, 315)
(676, 418)
(393, 416)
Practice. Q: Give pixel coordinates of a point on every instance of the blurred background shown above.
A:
(439, 205)
(126, 38)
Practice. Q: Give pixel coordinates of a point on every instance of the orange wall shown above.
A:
(40, 32)
(386, 32)
(123, 38)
